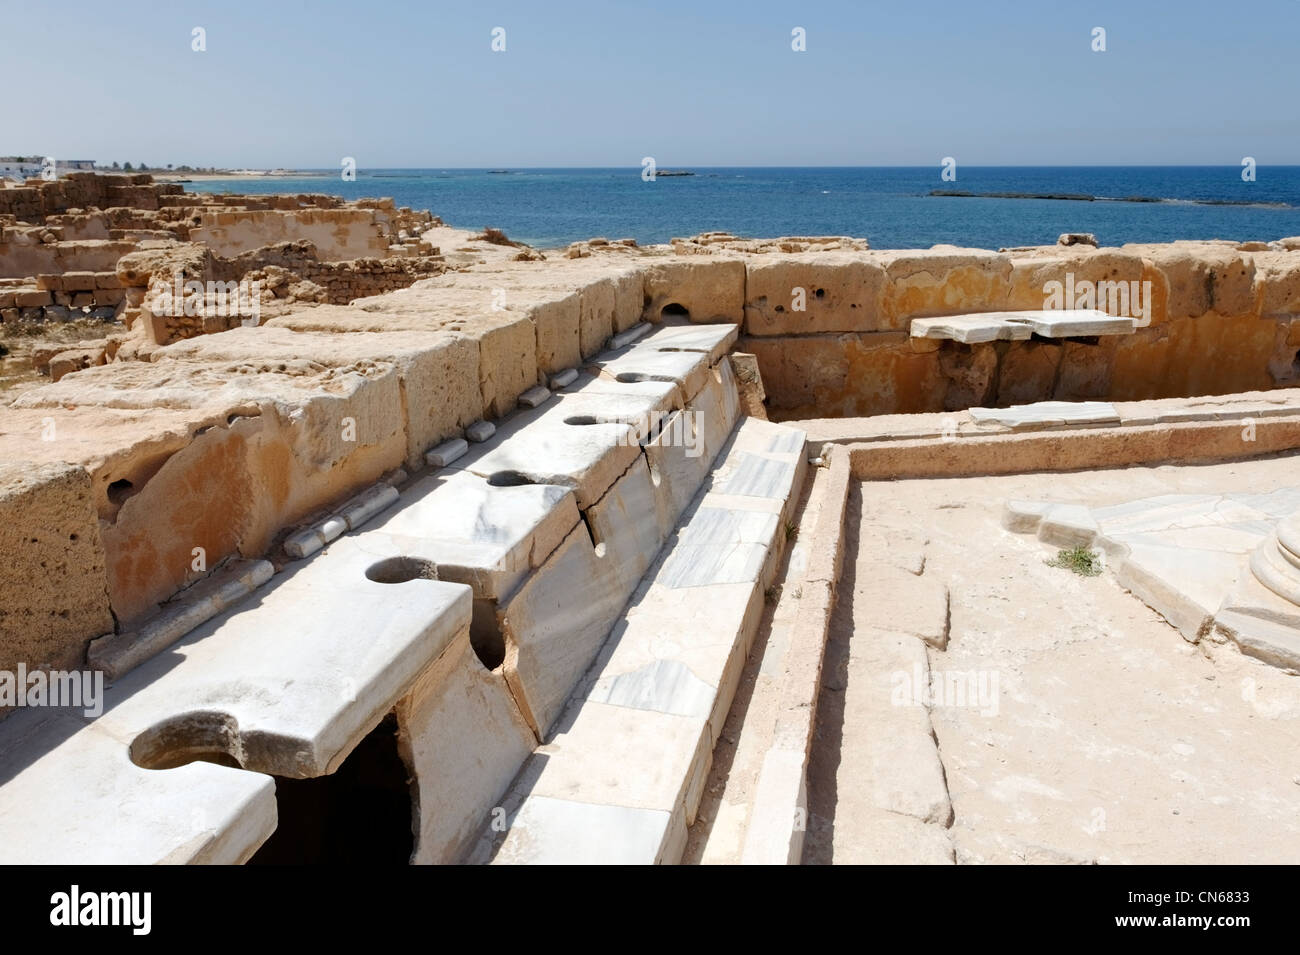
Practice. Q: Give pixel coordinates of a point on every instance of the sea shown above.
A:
(893, 208)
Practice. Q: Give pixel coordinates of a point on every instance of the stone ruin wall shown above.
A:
(87, 222)
(338, 234)
(89, 246)
(113, 476)
(1223, 319)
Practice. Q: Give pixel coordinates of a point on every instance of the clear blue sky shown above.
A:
(907, 82)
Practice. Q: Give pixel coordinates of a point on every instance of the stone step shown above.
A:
(621, 773)
(755, 807)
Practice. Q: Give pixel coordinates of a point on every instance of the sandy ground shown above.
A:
(1104, 737)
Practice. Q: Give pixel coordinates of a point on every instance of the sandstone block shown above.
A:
(1203, 277)
(78, 281)
(874, 373)
(558, 323)
(48, 521)
(943, 281)
(66, 362)
(1277, 276)
(32, 298)
(438, 371)
(795, 295)
(1094, 275)
(711, 289)
(629, 292)
(597, 315)
(255, 452)
(1085, 370)
(507, 362)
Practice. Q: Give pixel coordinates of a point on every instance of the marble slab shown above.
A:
(548, 831)
(542, 447)
(1047, 414)
(635, 741)
(289, 682)
(465, 742)
(70, 795)
(1020, 326)
(473, 532)
(682, 354)
(713, 340)
(555, 624)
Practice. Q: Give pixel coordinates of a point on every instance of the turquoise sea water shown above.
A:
(891, 207)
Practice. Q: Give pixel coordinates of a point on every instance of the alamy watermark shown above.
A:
(973, 688)
(1131, 299)
(81, 689)
(679, 431)
(192, 298)
(77, 907)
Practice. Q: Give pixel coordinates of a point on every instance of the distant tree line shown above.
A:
(145, 167)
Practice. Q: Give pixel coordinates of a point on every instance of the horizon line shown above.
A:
(676, 166)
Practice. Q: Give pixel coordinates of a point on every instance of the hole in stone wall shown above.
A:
(510, 478)
(820, 293)
(359, 814)
(674, 310)
(632, 377)
(490, 648)
(399, 570)
(597, 544)
(485, 636)
(205, 736)
(581, 419)
(119, 491)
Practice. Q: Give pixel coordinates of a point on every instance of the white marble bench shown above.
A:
(621, 776)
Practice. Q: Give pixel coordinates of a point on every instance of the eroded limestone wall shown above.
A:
(338, 234)
(53, 575)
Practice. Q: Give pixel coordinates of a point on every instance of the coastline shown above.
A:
(237, 174)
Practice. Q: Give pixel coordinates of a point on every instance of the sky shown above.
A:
(417, 84)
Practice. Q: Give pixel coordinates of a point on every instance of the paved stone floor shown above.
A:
(1066, 720)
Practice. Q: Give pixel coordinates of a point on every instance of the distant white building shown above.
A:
(29, 167)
